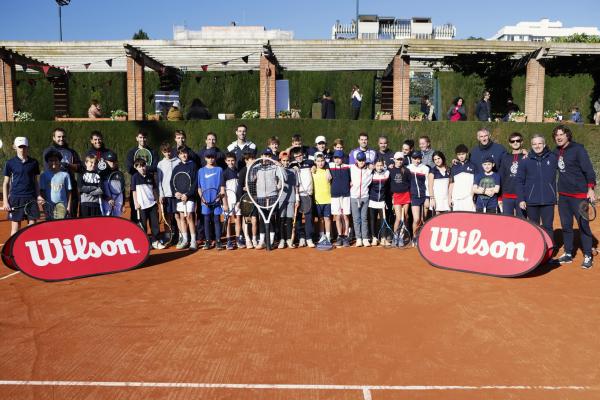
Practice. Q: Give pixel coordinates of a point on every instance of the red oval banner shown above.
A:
(75, 248)
(489, 244)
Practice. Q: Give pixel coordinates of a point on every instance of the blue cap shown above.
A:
(416, 154)
(267, 152)
(361, 156)
(488, 160)
(338, 154)
(210, 153)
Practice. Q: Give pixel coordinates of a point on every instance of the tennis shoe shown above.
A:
(290, 244)
(255, 243)
(281, 244)
(157, 245)
(302, 242)
(182, 244)
(565, 259)
(193, 246)
(229, 245)
(310, 243)
(587, 262)
(366, 243)
(241, 242)
(206, 245)
(219, 245)
(259, 246)
(358, 243)
(346, 241)
(375, 243)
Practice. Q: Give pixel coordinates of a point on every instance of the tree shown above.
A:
(140, 35)
(577, 38)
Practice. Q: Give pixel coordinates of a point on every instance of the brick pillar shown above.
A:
(7, 90)
(135, 89)
(401, 92)
(534, 91)
(267, 88)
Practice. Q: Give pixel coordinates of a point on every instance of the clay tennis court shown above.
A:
(301, 324)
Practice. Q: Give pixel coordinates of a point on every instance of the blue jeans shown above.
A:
(359, 209)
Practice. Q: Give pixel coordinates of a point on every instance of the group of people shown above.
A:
(327, 188)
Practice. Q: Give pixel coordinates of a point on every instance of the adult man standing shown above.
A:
(576, 182)
(510, 165)
(486, 148)
(70, 163)
(240, 144)
(211, 143)
(142, 143)
(98, 150)
(483, 109)
(384, 152)
(363, 146)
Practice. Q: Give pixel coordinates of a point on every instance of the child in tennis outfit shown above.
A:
(232, 184)
(90, 189)
(400, 183)
(377, 196)
(360, 180)
(251, 238)
(111, 204)
(340, 197)
(186, 201)
(418, 190)
(20, 186)
(55, 185)
(288, 202)
(167, 199)
(144, 193)
(462, 176)
(305, 190)
(211, 188)
(322, 186)
(487, 194)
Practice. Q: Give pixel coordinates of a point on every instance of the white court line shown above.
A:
(9, 275)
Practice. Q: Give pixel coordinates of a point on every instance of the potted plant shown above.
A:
(295, 113)
(552, 116)
(518, 116)
(118, 115)
(153, 117)
(383, 115)
(250, 114)
(284, 114)
(416, 116)
(23, 116)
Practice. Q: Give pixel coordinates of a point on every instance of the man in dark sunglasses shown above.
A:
(511, 162)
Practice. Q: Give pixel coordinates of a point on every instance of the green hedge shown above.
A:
(120, 136)
(34, 94)
(109, 88)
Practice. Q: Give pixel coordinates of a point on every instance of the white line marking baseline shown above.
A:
(364, 388)
(9, 275)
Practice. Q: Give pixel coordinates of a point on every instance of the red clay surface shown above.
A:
(362, 317)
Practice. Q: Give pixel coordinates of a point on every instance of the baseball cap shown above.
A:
(284, 155)
(398, 155)
(488, 160)
(110, 156)
(52, 153)
(210, 153)
(417, 154)
(248, 150)
(21, 141)
(338, 154)
(320, 139)
(361, 156)
(267, 152)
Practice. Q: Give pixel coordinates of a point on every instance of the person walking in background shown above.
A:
(327, 106)
(576, 116)
(597, 111)
(95, 111)
(483, 109)
(428, 109)
(356, 101)
(457, 110)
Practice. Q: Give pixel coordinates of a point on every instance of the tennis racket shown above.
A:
(246, 207)
(487, 182)
(182, 183)
(144, 154)
(386, 233)
(140, 223)
(419, 227)
(587, 210)
(264, 181)
(31, 209)
(55, 211)
(402, 235)
(66, 160)
(114, 187)
(233, 208)
(168, 233)
(211, 199)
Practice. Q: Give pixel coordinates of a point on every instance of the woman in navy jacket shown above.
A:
(536, 184)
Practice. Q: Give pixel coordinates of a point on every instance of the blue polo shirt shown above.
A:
(22, 174)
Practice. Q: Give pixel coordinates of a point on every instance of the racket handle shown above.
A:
(185, 209)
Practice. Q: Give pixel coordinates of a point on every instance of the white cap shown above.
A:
(398, 155)
(21, 141)
(320, 139)
(176, 104)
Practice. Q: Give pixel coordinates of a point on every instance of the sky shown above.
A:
(308, 19)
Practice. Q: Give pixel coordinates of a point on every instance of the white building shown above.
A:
(376, 27)
(232, 31)
(539, 31)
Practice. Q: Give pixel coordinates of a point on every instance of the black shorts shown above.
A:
(19, 214)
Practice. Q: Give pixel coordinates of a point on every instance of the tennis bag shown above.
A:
(75, 248)
(488, 244)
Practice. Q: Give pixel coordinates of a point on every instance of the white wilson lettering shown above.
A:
(54, 250)
(471, 243)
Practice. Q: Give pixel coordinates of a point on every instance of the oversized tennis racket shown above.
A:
(115, 185)
(144, 154)
(55, 211)
(587, 210)
(487, 182)
(264, 182)
(182, 183)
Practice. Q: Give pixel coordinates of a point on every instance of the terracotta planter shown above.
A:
(121, 118)
(295, 114)
(385, 117)
(153, 117)
(520, 118)
(418, 118)
(549, 119)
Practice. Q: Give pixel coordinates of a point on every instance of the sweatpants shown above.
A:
(568, 207)
(542, 215)
(360, 209)
(216, 222)
(511, 207)
(308, 221)
(374, 213)
(150, 214)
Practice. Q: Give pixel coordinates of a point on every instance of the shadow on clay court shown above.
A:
(162, 258)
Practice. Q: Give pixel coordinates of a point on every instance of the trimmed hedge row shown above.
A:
(120, 136)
